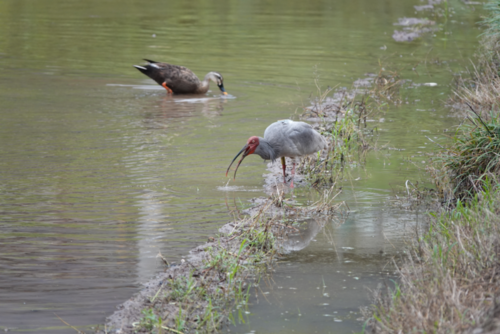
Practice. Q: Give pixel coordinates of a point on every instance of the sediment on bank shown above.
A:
(450, 279)
(211, 286)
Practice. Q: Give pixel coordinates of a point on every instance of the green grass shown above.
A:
(218, 290)
(459, 172)
(474, 155)
(341, 117)
(349, 139)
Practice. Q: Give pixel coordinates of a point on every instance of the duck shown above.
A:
(179, 79)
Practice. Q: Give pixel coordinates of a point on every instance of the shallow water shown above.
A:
(101, 170)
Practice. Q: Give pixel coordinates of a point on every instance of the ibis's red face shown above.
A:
(248, 149)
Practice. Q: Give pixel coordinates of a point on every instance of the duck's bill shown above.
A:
(244, 150)
(223, 90)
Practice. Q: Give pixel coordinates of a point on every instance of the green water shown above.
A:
(100, 170)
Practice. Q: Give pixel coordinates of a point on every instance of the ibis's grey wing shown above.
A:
(304, 139)
(293, 139)
(275, 135)
(276, 128)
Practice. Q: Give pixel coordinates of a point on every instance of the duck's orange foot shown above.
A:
(169, 91)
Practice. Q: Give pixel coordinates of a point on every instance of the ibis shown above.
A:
(285, 138)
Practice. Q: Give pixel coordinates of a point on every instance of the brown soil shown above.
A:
(413, 28)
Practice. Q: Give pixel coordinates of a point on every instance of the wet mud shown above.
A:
(129, 314)
(217, 285)
(413, 28)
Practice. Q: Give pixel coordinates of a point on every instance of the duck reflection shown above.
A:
(153, 102)
(174, 107)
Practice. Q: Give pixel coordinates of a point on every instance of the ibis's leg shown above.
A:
(283, 164)
(169, 91)
(293, 173)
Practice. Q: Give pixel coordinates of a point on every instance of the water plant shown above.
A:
(341, 116)
(461, 169)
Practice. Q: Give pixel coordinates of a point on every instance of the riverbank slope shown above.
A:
(450, 279)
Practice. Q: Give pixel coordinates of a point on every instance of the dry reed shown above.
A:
(450, 278)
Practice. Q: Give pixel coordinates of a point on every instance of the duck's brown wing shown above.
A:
(179, 79)
(182, 80)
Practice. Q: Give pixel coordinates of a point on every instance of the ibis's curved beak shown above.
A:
(246, 150)
(221, 86)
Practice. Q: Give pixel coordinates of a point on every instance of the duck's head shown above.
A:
(217, 78)
(249, 148)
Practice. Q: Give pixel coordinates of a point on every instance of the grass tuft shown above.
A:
(474, 155)
(342, 120)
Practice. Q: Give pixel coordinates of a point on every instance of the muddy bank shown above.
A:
(183, 297)
(413, 28)
(210, 285)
